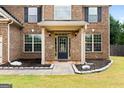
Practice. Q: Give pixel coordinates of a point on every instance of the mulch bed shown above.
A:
(27, 64)
(94, 64)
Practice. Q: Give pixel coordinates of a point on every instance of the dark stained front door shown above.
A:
(62, 47)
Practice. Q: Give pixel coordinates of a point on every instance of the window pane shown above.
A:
(28, 47)
(37, 38)
(62, 12)
(92, 10)
(32, 11)
(88, 47)
(28, 39)
(37, 42)
(37, 47)
(97, 46)
(93, 16)
(88, 38)
(97, 38)
(32, 14)
(97, 42)
(32, 18)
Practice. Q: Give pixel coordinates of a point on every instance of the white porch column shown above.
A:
(43, 46)
(82, 45)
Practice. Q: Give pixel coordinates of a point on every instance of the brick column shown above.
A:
(82, 45)
(43, 46)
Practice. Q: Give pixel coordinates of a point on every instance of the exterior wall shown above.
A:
(103, 28)
(49, 47)
(77, 14)
(15, 43)
(28, 30)
(48, 12)
(4, 33)
(75, 49)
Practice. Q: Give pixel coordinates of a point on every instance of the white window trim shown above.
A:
(93, 43)
(32, 44)
(70, 18)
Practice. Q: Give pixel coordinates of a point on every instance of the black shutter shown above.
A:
(99, 14)
(39, 14)
(86, 14)
(26, 14)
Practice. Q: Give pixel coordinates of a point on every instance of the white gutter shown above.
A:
(9, 41)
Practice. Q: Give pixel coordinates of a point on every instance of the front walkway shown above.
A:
(62, 68)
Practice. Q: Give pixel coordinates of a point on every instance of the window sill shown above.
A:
(31, 22)
(94, 22)
(32, 52)
(99, 52)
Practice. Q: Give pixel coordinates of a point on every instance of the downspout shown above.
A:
(9, 40)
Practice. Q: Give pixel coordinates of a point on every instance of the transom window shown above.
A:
(32, 14)
(93, 14)
(93, 42)
(32, 43)
(62, 12)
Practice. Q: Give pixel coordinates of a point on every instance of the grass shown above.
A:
(112, 77)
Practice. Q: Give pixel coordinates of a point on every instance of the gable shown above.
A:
(2, 16)
(5, 15)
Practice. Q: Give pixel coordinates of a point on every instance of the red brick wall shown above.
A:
(77, 14)
(15, 43)
(4, 33)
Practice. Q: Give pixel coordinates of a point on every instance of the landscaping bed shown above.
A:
(27, 64)
(95, 66)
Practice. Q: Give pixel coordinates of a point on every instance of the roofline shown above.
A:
(11, 17)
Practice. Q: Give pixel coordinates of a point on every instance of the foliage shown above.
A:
(116, 32)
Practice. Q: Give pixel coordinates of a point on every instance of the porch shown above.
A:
(63, 41)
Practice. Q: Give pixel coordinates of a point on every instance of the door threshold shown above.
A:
(62, 60)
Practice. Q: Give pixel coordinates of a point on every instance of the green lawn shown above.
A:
(112, 77)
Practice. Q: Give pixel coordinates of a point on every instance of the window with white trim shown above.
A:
(93, 42)
(93, 14)
(62, 12)
(32, 43)
(32, 14)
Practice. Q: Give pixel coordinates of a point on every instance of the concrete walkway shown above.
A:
(59, 69)
(62, 68)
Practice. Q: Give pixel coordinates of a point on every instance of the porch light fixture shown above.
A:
(32, 30)
(76, 33)
(93, 30)
(49, 34)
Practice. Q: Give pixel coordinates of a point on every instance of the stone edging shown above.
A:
(26, 68)
(91, 71)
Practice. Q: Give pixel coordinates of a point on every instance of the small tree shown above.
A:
(121, 36)
(115, 29)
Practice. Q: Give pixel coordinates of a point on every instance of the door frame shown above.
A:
(56, 51)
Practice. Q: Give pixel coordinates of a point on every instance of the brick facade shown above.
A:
(4, 34)
(48, 12)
